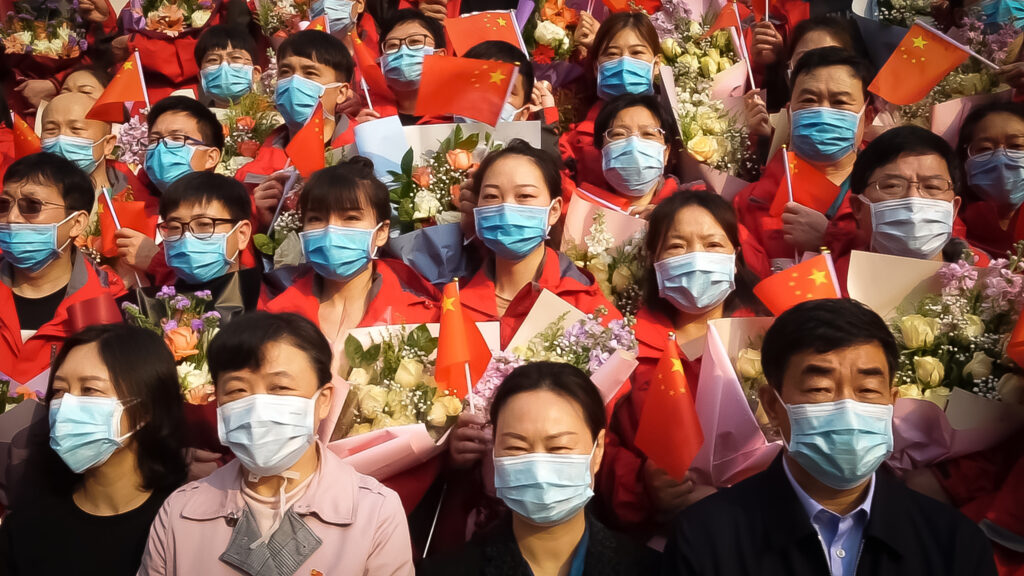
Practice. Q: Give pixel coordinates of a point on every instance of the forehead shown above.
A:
(635, 115)
(539, 413)
(831, 78)
(815, 39)
(408, 28)
(69, 106)
(30, 188)
(999, 124)
(857, 356)
(695, 220)
(514, 169)
(626, 37)
(80, 78)
(206, 207)
(176, 121)
(926, 164)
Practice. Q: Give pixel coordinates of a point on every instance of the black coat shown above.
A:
(497, 554)
(758, 527)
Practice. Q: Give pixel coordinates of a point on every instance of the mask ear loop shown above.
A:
(372, 248)
(58, 225)
(229, 233)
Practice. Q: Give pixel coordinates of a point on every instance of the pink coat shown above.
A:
(359, 521)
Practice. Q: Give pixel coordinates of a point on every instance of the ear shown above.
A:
(243, 234)
(212, 159)
(595, 462)
(324, 402)
(357, 8)
(380, 237)
(895, 393)
(957, 201)
(344, 93)
(109, 144)
(556, 212)
(257, 72)
(440, 52)
(772, 404)
(79, 224)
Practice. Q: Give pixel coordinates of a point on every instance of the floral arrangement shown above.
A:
(553, 32)
(247, 123)
(283, 239)
(21, 393)
(279, 17)
(187, 328)
(748, 367)
(170, 18)
(904, 12)
(617, 268)
(131, 142)
(392, 384)
(48, 29)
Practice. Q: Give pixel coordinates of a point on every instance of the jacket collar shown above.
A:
(651, 330)
(81, 275)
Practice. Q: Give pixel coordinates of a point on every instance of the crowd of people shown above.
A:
(113, 460)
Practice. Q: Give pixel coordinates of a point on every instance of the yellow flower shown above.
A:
(360, 429)
(372, 400)
(975, 326)
(930, 371)
(706, 149)
(918, 331)
(671, 49)
(452, 405)
(437, 417)
(410, 373)
(709, 66)
(979, 367)
(938, 396)
(358, 377)
(910, 391)
(621, 278)
(748, 364)
(1011, 388)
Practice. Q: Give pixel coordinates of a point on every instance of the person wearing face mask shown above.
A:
(406, 37)
(823, 506)
(286, 505)
(226, 56)
(548, 444)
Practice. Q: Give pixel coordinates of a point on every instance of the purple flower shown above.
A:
(129, 307)
(167, 292)
(180, 302)
(170, 325)
(204, 295)
(958, 276)
(197, 325)
(211, 314)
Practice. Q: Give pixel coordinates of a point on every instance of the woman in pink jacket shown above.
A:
(286, 505)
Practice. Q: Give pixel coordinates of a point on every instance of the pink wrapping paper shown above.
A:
(948, 116)
(580, 216)
(389, 451)
(610, 378)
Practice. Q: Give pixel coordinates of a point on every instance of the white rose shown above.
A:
(437, 416)
(425, 205)
(1011, 388)
(410, 373)
(748, 363)
(938, 396)
(910, 391)
(621, 278)
(930, 371)
(358, 377)
(918, 331)
(975, 326)
(360, 429)
(197, 378)
(372, 400)
(549, 34)
(452, 405)
(980, 366)
(200, 17)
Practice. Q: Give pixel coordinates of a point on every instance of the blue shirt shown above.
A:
(841, 536)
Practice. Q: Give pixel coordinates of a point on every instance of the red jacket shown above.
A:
(603, 197)
(578, 145)
(985, 231)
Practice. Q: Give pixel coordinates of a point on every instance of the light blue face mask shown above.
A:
(269, 433)
(296, 98)
(508, 114)
(998, 177)
(1003, 12)
(824, 135)
(546, 489)
(840, 443)
(31, 246)
(910, 227)
(339, 14)
(512, 231)
(338, 253)
(227, 81)
(85, 430)
(78, 150)
(698, 281)
(198, 261)
(403, 69)
(164, 164)
(624, 75)
(632, 165)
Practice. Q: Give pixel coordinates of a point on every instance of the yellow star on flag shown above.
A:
(502, 22)
(127, 65)
(677, 365)
(818, 276)
(448, 304)
(497, 77)
(920, 42)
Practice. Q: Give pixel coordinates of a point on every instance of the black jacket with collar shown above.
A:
(758, 527)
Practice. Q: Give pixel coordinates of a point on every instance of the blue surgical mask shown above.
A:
(227, 81)
(31, 246)
(824, 135)
(546, 489)
(910, 227)
(338, 253)
(165, 164)
(78, 150)
(339, 13)
(632, 165)
(268, 432)
(198, 261)
(85, 431)
(296, 99)
(1003, 12)
(403, 69)
(840, 443)
(624, 75)
(512, 231)
(698, 281)
(998, 177)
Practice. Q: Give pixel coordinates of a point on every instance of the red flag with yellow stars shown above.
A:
(813, 279)
(475, 89)
(368, 67)
(25, 139)
(459, 345)
(320, 24)
(467, 31)
(810, 187)
(126, 87)
(922, 59)
(727, 18)
(306, 148)
(669, 431)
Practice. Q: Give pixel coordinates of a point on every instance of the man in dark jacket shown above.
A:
(821, 508)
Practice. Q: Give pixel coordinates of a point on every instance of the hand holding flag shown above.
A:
(462, 352)
(802, 184)
(813, 279)
(306, 148)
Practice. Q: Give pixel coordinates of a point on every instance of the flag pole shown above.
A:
(967, 49)
(590, 7)
(433, 524)
(789, 190)
(366, 90)
(743, 45)
(142, 78)
(117, 222)
(767, 9)
(469, 378)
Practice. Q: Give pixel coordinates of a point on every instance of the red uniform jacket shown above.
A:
(603, 197)
(577, 145)
(985, 231)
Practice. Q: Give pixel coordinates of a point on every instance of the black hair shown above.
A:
(434, 28)
(612, 108)
(822, 326)
(222, 37)
(100, 74)
(900, 141)
(563, 379)
(322, 48)
(547, 163)
(619, 21)
(838, 28)
(204, 187)
(241, 343)
(144, 375)
(349, 185)
(978, 114)
(501, 51)
(828, 57)
(660, 224)
(74, 185)
(209, 127)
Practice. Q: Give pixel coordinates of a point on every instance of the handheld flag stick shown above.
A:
(433, 524)
(366, 91)
(967, 49)
(789, 189)
(142, 77)
(117, 223)
(767, 9)
(742, 45)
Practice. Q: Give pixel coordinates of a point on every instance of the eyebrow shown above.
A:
(554, 436)
(871, 371)
(814, 369)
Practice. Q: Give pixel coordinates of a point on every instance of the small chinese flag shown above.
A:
(319, 23)
(813, 279)
(922, 59)
(471, 88)
(467, 31)
(727, 18)
(368, 67)
(1015, 347)
(25, 139)
(669, 431)
(130, 214)
(459, 345)
(306, 148)
(126, 87)
(810, 187)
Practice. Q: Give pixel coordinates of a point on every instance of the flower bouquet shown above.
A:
(131, 142)
(20, 394)
(43, 37)
(279, 18)
(905, 12)
(247, 123)
(168, 18)
(553, 32)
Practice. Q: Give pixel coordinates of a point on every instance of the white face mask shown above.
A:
(268, 432)
(910, 227)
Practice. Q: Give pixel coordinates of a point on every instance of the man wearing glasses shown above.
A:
(407, 37)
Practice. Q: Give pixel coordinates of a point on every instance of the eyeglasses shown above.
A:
(645, 133)
(27, 206)
(172, 141)
(414, 42)
(897, 186)
(201, 228)
(983, 151)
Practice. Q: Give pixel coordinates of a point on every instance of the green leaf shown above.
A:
(420, 339)
(264, 244)
(407, 162)
(354, 352)
(470, 143)
(372, 354)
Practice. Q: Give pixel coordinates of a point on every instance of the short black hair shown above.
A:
(204, 187)
(100, 74)
(562, 379)
(434, 28)
(222, 37)
(346, 186)
(501, 51)
(832, 56)
(978, 114)
(899, 141)
(322, 48)
(209, 127)
(547, 163)
(822, 326)
(74, 185)
(838, 28)
(639, 22)
(617, 104)
(241, 343)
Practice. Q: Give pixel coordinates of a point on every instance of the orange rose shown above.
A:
(182, 341)
(169, 18)
(245, 123)
(421, 176)
(249, 148)
(460, 159)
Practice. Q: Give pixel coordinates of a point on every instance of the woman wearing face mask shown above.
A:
(626, 51)
(116, 426)
(286, 505)
(548, 444)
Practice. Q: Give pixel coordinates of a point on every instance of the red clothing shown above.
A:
(577, 145)
(603, 197)
(985, 231)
